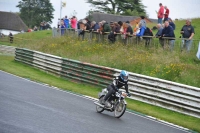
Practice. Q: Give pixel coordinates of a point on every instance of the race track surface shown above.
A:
(28, 107)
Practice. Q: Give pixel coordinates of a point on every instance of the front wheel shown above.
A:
(120, 109)
(98, 108)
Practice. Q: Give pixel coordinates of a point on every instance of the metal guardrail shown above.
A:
(7, 49)
(166, 94)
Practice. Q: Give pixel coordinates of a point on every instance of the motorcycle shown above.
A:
(116, 103)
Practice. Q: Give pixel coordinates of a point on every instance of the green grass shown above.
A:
(23, 70)
(153, 61)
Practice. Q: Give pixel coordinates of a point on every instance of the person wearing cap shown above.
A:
(187, 32)
(166, 15)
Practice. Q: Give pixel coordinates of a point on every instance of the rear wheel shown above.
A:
(120, 109)
(98, 108)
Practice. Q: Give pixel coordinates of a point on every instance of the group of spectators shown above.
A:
(167, 30)
(113, 28)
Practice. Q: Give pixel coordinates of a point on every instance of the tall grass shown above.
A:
(153, 61)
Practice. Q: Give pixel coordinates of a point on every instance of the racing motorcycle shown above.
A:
(116, 103)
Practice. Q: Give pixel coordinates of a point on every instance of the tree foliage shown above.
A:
(33, 12)
(123, 7)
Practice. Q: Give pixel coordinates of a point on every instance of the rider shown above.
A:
(118, 82)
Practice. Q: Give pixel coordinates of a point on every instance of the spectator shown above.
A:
(143, 21)
(159, 34)
(83, 27)
(44, 26)
(41, 25)
(94, 26)
(35, 28)
(106, 27)
(169, 32)
(129, 30)
(88, 21)
(160, 13)
(115, 29)
(66, 21)
(166, 15)
(100, 27)
(142, 30)
(136, 29)
(187, 32)
(11, 37)
(73, 22)
(62, 26)
(171, 23)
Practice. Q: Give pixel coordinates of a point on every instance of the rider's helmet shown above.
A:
(124, 75)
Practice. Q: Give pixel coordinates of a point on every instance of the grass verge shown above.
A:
(9, 65)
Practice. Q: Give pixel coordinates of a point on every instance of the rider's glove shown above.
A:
(128, 94)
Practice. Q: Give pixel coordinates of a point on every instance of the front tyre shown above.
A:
(98, 108)
(120, 109)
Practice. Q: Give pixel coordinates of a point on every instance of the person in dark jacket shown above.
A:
(106, 27)
(168, 32)
(171, 23)
(94, 26)
(118, 82)
(115, 28)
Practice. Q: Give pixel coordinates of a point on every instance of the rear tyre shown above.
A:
(98, 108)
(120, 109)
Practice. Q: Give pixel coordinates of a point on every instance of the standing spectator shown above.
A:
(166, 15)
(66, 21)
(41, 25)
(171, 23)
(62, 26)
(160, 13)
(44, 25)
(73, 22)
(58, 24)
(159, 34)
(169, 32)
(143, 21)
(11, 37)
(35, 28)
(187, 32)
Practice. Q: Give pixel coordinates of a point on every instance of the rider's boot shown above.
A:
(103, 102)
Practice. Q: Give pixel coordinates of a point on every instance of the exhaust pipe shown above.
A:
(99, 104)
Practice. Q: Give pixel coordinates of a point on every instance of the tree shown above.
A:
(123, 7)
(33, 12)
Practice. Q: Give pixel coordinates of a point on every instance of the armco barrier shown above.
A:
(7, 49)
(166, 94)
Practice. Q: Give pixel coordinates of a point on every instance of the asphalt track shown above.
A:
(28, 107)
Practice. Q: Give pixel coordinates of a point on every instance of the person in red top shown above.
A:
(73, 22)
(160, 13)
(166, 15)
